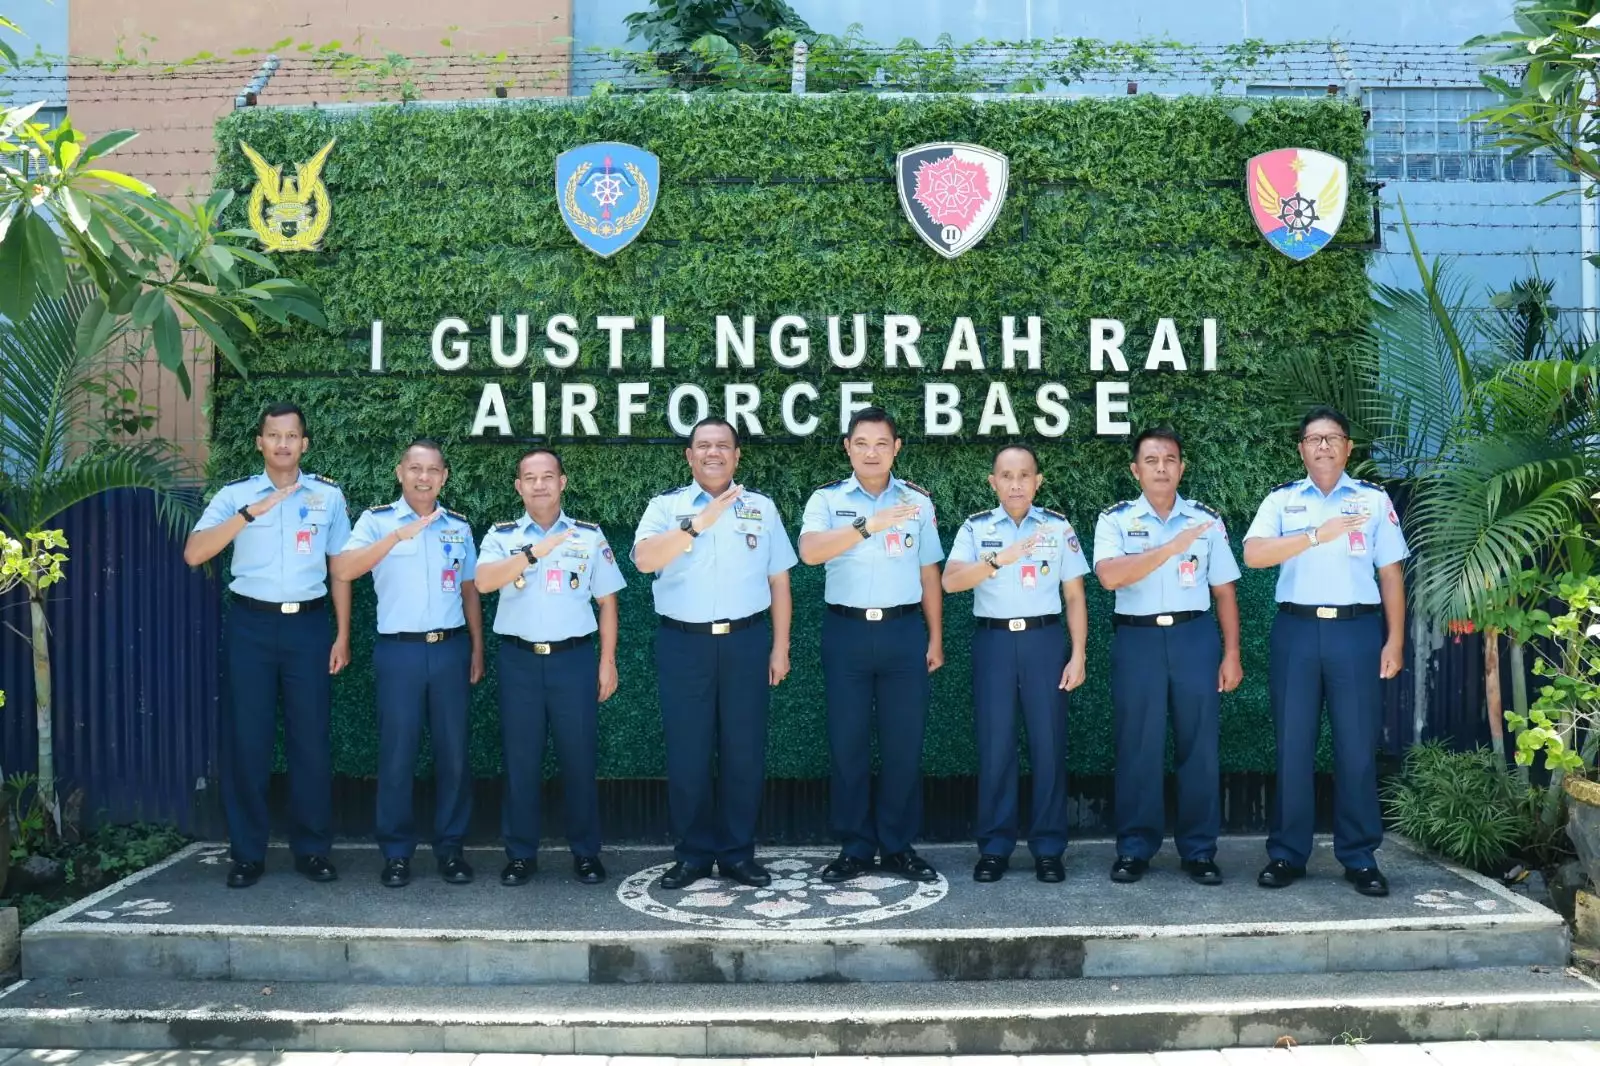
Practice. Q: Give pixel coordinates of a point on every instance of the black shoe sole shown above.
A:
(457, 880)
(908, 876)
(837, 879)
(515, 882)
(396, 884)
(686, 882)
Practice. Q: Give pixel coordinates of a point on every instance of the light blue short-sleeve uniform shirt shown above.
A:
(724, 574)
(554, 598)
(419, 581)
(1343, 571)
(282, 557)
(1182, 583)
(1031, 586)
(884, 570)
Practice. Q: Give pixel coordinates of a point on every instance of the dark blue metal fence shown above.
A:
(135, 645)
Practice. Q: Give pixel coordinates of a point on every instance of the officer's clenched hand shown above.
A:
(608, 679)
(415, 526)
(1338, 526)
(261, 507)
(1229, 674)
(1017, 550)
(1074, 674)
(338, 656)
(892, 516)
(777, 665)
(1186, 538)
(546, 547)
(713, 510)
(1390, 660)
(935, 656)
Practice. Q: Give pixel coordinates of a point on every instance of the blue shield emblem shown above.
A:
(607, 192)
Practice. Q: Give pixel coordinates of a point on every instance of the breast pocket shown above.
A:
(407, 547)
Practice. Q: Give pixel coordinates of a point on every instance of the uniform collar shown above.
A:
(1345, 482)
(264, 479)
(530, 524)
(1179, 506)
(697, 492)
(998, 514)
(402, 509)
(853, 484)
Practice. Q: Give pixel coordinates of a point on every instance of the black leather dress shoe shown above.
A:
(1126, 870)
(1369, 881)
(518, 872)
(245, 874)
(1202, 871)
(1048, 868)
(396, 873)
(587, 869)
(456, 871)
(315, 868)
(1279, 874)
(682, 875)
(990, 869)
(746, 872)
(910, 865)
(845, 868)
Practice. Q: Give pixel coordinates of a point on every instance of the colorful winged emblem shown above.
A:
(1297, 198)
(952, 193)
(607, 192)
(290, 214)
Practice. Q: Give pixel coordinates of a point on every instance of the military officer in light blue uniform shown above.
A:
(1022, 563)
(721, 557)
(876, 536)
(1340, 631)
(1167, 558)
(283, 524)
(428, 653)
(551, 571)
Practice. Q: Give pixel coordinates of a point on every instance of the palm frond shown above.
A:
(151, 465)
(40, 365)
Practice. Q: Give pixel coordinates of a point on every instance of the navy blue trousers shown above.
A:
(714, 698)
(1313, 661)
(271, 656)
(1008, 668)
(556, 696)
(882, 667)
(1159, 671)
(419, 682)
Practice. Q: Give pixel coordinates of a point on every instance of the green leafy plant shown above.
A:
(1464, 805)
(1563, 724)
(31, 824)
(695, 42)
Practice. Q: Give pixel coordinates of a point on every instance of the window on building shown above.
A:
(1424, 134)
(45, 116)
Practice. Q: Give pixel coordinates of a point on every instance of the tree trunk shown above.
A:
(1491, 690)
(44, 717)
(1519, 692)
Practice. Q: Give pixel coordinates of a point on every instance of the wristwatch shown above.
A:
(861, 527)
(992, 558)
(687, 525)
(527, 551)
(1311, 535)
(244, 513)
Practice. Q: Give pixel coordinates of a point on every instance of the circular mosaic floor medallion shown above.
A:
(797, 898)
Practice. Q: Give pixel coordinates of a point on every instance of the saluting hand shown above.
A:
(1336, 527)
(546, 547)
(416, 526)
(1017, 550)
(1074, 674)
(339, 656)
(608, 679)
(714, 510)
(893, 516)
(1185, 539)
(261, 507)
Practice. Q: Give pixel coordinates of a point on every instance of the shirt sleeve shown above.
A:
(469, 551)
(1107, 539)
(218, 511)
(1268, 522)
(657, 515)
(338, 525)
(365, 534)
(965, 548)
(493, 548)
(1072, 562)
(815, 519)
(780, 556)
(607, 577)
(929, 550)
(1390, 546)
(1223, 567)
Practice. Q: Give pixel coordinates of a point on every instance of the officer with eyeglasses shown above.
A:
(1339, 632)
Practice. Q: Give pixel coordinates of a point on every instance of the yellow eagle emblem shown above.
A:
(289, 214)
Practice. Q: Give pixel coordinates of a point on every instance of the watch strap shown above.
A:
(244, 513)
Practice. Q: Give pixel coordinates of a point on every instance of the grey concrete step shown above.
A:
(178, 921)
(933, 1018)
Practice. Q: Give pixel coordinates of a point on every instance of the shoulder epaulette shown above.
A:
(1117, 508)
(458, 516)
(505, 527)
(832, 484)
(324, 480)
(1369, 485)
(669, 492)
(1053, 514)
(1287, 484)
(587, 525)
(980, 514)
(1212, 511)
(381, 508)
(919, 488)
(240, 480)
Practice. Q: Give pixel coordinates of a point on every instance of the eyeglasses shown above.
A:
(1332, 440)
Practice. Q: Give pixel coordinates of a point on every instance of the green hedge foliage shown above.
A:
(1128, 208)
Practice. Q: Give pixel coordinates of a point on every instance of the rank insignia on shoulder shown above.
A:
(1369, 485)
(239, 480)
(586, 525)
(457, 515)
(1053, 514)
(381, 508)
(918, 488)
(324, 480)
(979, 514)
(505, 527)
(1212, 511)
(835, 483)
(1287, 484)
(1117, 508)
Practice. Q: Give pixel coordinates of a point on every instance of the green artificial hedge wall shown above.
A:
(1128, 208)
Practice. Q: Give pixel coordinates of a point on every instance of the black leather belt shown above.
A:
(1171, 618)
(874, 614)
(717, 629)
(548, 647)
(278, 608)
(432, 636)
(1341, 612)
(1018, 625)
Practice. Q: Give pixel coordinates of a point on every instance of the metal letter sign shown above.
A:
(952, 193)
(289, 214)
(607, 192)
(1297, 198)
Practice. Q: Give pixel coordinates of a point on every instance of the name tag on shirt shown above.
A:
(893, 545)
(302, 542)
(1295, 508)
(447, 579)
(992, 544)
(1358, 542)
(1188, 571)
(553, 582)
(845, 514)
(1030, 575)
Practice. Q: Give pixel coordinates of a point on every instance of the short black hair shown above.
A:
(1158, 433)
(872, 414)
(1016, 448)
(531, 452)
(278, 410)
(1324, 413)
(713, 420)
(432, 445)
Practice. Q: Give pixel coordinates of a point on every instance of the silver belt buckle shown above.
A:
(1163, 619)
(434, 637)
(541, 649)
(289, 608)
(1017, 625)
(874, 614)
(721, 629)
(1327, 612)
